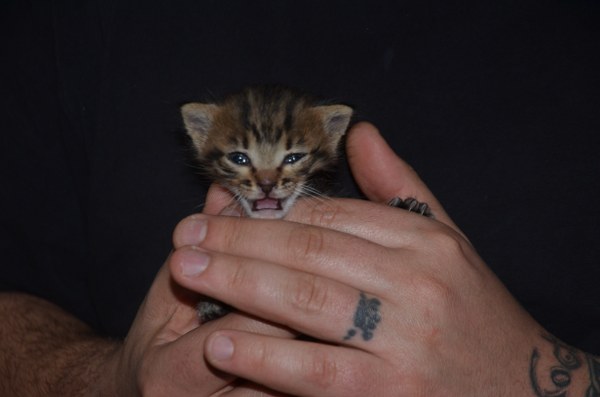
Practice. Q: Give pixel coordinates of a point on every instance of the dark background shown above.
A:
(495, 104)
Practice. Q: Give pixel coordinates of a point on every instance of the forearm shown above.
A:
(48, 352)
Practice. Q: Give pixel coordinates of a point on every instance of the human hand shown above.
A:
(404, 302)
(163, 352)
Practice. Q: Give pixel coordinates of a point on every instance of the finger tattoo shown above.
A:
(366, 318)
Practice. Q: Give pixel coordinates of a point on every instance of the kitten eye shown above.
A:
(292, 158)
(239, 158)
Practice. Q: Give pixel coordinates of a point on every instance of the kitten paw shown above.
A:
(209, 309)
(411, 205)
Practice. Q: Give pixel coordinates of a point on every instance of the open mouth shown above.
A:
(267, 203)
(268, 207)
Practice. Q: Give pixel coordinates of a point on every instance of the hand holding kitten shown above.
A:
(163, 352)
(404, 303)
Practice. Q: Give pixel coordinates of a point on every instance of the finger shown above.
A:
(169, 310)
(382, 175)
(252, 390)
(165, 321)
(191, 371)
(377, 223)
(304, 247)
(296, 367)
(219, 199)
(190, 231)
(299, 300)
(166, 300)
(381, 224)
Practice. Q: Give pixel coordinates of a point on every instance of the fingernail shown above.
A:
(221, 348)
(195, 230)
(193, 263)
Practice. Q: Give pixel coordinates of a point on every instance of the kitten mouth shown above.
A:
(266, 203)
(268, 207)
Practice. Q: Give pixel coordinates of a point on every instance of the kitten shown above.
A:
(266, 144)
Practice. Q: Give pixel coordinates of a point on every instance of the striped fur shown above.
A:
(286, 136)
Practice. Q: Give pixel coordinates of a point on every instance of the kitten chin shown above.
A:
(266, 144)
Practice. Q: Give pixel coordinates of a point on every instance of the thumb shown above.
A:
(220, 201)
(168, 310)
(382, 175)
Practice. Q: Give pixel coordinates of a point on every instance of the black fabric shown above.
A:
(495, 104)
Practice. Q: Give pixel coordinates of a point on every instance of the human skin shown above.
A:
(448, 326)
(441, 324)
(48, 352)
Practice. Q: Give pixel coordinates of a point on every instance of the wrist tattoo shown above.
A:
(559, 370)
(366, 318)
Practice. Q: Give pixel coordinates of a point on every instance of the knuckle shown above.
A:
(230, 233)
(331, 374)
(324, 213)
(446, 242)
(237, 277)
(433, 289)
(308, 294)
(306, 242)
(321, 370)
(262, 356)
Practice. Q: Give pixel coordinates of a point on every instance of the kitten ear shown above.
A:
(335, 120)
(198, 119)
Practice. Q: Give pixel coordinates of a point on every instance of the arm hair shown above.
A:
(45, 351)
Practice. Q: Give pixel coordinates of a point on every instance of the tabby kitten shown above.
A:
(265, 144)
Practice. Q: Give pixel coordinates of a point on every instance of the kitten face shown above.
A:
(265, 144)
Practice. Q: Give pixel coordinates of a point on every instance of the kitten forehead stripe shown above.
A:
(214, 155)
(256, 132)
(278, 134)
(233, 140)
(289, 115)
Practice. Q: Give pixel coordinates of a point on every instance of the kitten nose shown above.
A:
(266, 186)
(266, 179)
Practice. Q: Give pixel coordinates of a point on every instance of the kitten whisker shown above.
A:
(310, 193)
(234, 198)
